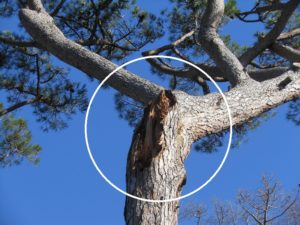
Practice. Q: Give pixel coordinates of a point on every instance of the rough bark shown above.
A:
(161, 143)
(155, 167)
(287, 52)
(214, 45)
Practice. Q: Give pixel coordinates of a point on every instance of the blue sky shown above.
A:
(66, 189)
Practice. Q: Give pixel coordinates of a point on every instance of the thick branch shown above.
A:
(194, 75)
(266, 41)
(214, 45)
(36, 5)
(285, 51)
(288, 35)
(208, 114)
(256, 74)
(42, 28)
(267, 74)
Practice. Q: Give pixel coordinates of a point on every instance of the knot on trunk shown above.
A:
(148, 138)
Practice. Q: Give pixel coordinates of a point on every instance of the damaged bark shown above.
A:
(155, 167)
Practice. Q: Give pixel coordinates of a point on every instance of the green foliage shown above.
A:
(30, 74)
(15, 141)
(119, 22)
(231, 8)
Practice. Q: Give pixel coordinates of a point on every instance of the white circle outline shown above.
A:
(111, 183)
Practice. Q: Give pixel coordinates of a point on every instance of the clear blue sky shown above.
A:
(65, 189)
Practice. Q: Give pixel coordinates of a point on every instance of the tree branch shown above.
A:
(267, 8)
(259, 10)
(17, 106)
(214, 45)
(288, 35)
(57, 8)
(194, 75)
(172, 46)
(285, 51)
(36, 5)
(245, 101)
(286, 209)
(267, 74)
(103, 42)
(13, 42)
(248, 211)
(267, 40)
(42, 28)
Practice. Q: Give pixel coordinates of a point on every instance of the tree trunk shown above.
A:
(155, 168)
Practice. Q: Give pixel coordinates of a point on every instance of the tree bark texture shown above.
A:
(155, 168)
(171, 123)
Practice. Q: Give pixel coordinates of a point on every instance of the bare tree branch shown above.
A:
(246, 102)
(267, 40)
(214, 45)
(267, 73)
(290, 34)
(285, 51)
(251, 215)
(286, 208)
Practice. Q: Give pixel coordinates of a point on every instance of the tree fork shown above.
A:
(155, 168)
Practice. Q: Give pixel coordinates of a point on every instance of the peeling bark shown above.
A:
(155, 168)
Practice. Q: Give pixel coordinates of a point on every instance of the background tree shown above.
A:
(269, 204)
(90, 35)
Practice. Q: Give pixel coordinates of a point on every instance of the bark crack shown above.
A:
(148, 139)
